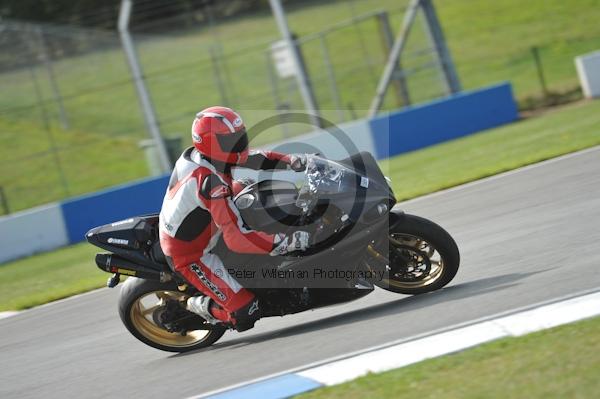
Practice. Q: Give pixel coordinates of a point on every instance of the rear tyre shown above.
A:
(422, 256)
(140, 304)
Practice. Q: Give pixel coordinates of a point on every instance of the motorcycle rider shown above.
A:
(198, 209)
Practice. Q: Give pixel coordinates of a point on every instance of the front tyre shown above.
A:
(141, 303)
(422, 256)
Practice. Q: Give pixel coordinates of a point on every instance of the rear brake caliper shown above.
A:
(174, 318)
(167, 316)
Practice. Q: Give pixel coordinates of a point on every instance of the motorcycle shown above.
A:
(359, 241)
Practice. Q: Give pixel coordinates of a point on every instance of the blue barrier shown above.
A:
(138, 198)
(459, 115)
(390, 134)
(32, 231)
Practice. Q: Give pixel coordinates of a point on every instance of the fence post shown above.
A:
(540, 70)
(221, 60)
(363, 44)
(140, 85)
(301, 76)
(387, 41)
(397, 48)
(441, 49)
(4, 201)
(218, 78)
(335, 93)
(38, 96)
(48, 128)
(46, 58)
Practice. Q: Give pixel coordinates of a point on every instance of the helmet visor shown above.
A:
(233, 142)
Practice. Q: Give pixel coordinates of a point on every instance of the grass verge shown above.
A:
(567, 129)
(558, 363)
(46, 277)
(89, 162)
(490, 41)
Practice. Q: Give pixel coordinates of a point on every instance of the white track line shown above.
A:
(426, 196)
(505, 174)
(4, 315)
(452, 341)
(493, 325)
(11, 313)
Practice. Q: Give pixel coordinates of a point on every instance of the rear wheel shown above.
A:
(150, 310)
(422, 256)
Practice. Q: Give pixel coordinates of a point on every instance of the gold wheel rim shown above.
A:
(141, 316)
(435, 259)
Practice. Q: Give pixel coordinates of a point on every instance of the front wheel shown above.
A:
(145, 305)
(422, 256)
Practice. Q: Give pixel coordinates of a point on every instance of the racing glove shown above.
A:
(297, 162)
(283, 244)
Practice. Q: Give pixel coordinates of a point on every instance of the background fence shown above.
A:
(66, 222)
(70, 121)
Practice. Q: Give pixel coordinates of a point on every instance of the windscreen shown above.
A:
(324, 177)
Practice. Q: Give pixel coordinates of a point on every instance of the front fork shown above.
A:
(377, 259)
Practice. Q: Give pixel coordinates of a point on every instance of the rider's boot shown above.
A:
(202, 305)
(242, 319)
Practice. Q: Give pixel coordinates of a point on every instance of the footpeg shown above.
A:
(305, 297)
(200, 305)
(113, 280)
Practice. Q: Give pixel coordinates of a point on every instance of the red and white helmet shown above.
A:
(219, 133)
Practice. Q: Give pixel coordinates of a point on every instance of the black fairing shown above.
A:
(274, 208)
(135, 239)
(360, 202)
(135, 245)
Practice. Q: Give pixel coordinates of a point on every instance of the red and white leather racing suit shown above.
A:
(197, 210)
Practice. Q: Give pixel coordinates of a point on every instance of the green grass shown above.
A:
(490, 42)
(38, 181)
(42, 278)
(568, 129)
(47, 277)
(496, 41)
(562, 362)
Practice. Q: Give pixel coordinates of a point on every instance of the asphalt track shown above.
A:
(525, 237)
